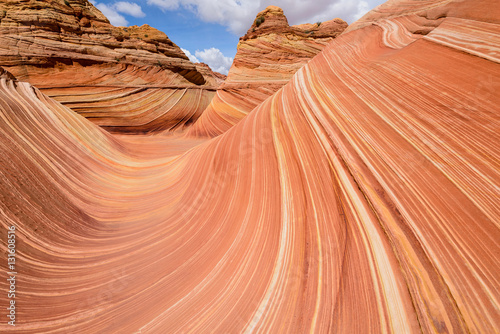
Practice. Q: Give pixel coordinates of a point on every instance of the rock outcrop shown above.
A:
(362, 197)
(72, 52)
(267, 57)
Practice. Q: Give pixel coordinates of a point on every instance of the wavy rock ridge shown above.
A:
(71, 52)
(267, 57)
(362, 197)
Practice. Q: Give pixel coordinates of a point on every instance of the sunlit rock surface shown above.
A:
(362, 197)
(130, 79)
(267, 57)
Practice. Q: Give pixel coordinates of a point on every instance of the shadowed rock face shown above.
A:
(267, 57)
(73, 54)
(362, 197)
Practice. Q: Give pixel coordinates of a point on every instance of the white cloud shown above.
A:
(112, 11)
(112, 15)
(166, 4)
(324, 10)
(190, 56)
(212, 57)
(215, 59)
(238, 15)
(129, 8)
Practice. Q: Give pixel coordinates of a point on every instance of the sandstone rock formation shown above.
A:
(73, 54)
(362, 197)
(267, 57)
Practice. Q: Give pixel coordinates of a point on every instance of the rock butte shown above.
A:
(267, 57)
(130, 79)
(362, 197)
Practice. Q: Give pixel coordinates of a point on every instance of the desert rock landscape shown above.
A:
(122, 79)
(346, 181)
(268, 56)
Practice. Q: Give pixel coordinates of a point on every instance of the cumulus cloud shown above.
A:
(166, 4)
(238, 15)
(212, 57)
(129, 8)
(190, 56)
(112, 11)
(112, 15)
(215, 59)
(325, 10)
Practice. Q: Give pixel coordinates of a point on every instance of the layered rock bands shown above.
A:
(361, 197)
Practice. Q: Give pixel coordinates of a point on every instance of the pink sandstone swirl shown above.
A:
(362, 197)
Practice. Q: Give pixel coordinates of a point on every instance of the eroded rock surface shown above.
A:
(71, 51)
(362, 197)
(267, 57)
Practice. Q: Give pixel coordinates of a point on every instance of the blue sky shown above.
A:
(209, 30)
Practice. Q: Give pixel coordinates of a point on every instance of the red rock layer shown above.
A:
(138, 109)
(267, 57)
(362, 197)
(71, 50)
